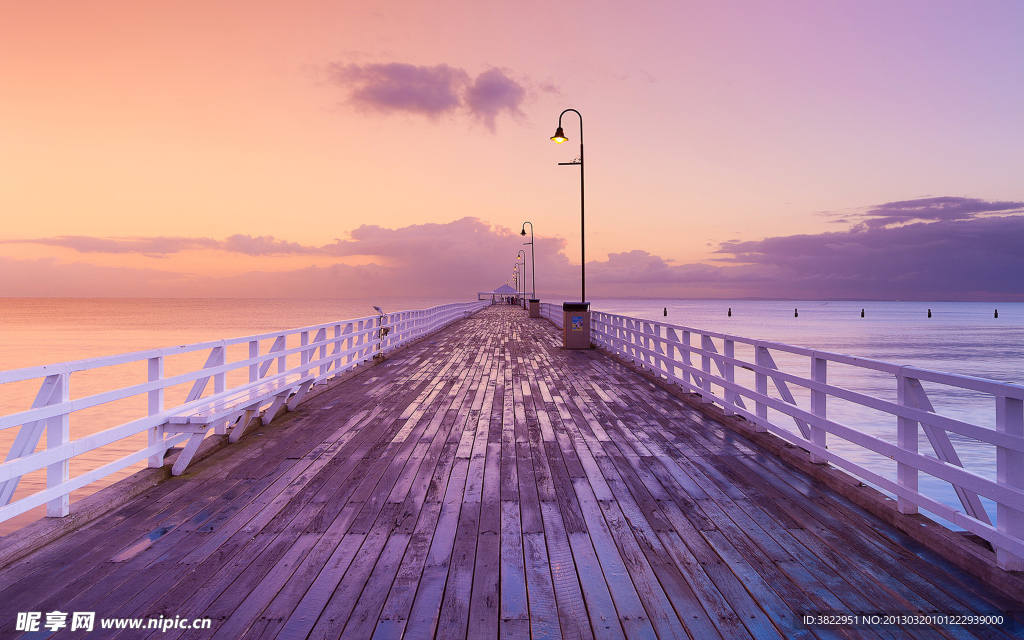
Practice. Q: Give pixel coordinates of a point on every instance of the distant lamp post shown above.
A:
(559, 137)
(522, 254)
(515, 277)
(533, 258)
(576, 315)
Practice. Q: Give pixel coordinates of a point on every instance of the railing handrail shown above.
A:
(84, 364)
(967, 382)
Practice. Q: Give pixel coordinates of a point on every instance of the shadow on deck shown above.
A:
(483, 483)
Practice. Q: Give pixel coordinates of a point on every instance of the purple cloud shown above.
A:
(645, 269)
(396, 86)
(493, 92)
(162, 246)
(429, 91)
(941, 208)
(157, 246)
(964, 258)
(264, 246)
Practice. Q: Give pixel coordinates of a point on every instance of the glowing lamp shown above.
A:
(559, 136)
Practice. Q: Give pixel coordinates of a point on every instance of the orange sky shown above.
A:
(705, 123)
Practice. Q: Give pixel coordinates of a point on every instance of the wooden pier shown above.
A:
(485, 483)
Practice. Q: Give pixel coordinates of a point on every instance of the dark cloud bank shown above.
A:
(926, 249)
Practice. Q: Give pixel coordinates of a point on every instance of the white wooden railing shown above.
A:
(553, 312)
(735, 372)
(320, 352)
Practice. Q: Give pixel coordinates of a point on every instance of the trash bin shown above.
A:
(576, 325)
(534, 308)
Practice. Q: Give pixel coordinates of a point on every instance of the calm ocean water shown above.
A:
(961, 338)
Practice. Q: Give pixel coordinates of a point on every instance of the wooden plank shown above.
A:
(783, 611)
(540, 590)
(425, 612)
(585, 608)
(719, 610)
(635, 534)
(453, 619)
(366, 610)
(512, 575)
(286, 599)
(302, 619)
(394, 614)
(665, 617)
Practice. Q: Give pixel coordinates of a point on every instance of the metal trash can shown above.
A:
(576, 325)
(534, 308)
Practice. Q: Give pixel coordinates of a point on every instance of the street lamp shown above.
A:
(515, 277)
(533, 260)
(522, 254)
(576, 315)
(559, 137)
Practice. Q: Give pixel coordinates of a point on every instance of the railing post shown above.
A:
(730, 375)
(685, 352)
(282, 365)
(254, 352)
(156, 405)
(220, 385)
(220, 380)
(58, 432)
(761, 385)
(906, 438)
(648, 358)
(336, 363)
(350, 329)
(706, 346)
(819, 373)
(672, 351)
(659, 348)
(321, 337)
(304, 353)
(1009, 472)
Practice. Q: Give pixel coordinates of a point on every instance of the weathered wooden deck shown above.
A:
(484, 483)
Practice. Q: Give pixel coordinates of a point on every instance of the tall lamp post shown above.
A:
(515, 277)
(559, 137)
(534, 302)
(533, 258)
(576, 316)
(522, 254)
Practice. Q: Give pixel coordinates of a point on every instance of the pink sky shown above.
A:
(343, 149)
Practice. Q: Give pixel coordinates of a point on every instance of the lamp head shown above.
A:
(523, 232)
(559, 136)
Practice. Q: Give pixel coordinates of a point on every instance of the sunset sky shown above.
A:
(804, 149)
